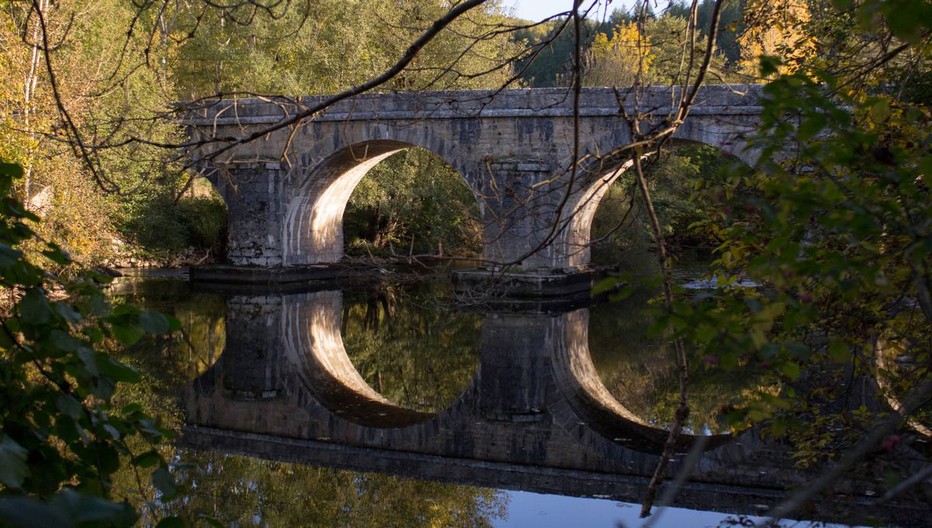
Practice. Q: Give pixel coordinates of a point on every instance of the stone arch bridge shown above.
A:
(516, 150)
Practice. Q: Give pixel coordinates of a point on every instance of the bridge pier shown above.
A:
(255, 211)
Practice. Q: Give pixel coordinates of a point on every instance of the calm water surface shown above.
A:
(310, 408)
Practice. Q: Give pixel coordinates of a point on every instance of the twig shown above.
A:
(917, 478)
(919, 395)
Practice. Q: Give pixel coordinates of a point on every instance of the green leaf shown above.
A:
(173, 323)
(89, 509)
(69, 406)
(164, 482)
(210, 520)
(26, 512)
(112, 431)
(132, 408)
(907, 19)
(68, 313)
(11, 170)
(606, 285)
(57, 255)
(769, 65)
(126, 309)
(35, 308)
(705, 333)
(154, 323)
(8, 255)
(839, 352)
(880, 111)
(106, 456)
(128, 334)
(64, 342)
(89, 360)
(790, 370)
(148, 459)
(118, 372)
(811, 126)
(171, 522)
(13, 468)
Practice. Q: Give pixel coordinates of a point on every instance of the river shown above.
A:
(387, 403)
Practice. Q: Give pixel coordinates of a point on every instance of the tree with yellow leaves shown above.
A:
(624, 59)
(775, 28)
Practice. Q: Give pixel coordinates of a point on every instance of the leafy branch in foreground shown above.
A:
(839, 241)
(61, 441)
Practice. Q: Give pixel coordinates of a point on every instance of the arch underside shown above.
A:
(594, 177)
(315, 343)
(529, 220)
(313, 224)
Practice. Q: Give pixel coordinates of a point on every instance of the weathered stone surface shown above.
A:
(537, 190)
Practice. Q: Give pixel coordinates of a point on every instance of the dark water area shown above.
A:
(385, 404)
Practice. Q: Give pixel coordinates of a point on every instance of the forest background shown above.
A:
(118, 85)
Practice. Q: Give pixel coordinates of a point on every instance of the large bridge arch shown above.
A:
(596, 173)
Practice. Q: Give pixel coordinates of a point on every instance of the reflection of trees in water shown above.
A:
(172, 359)
(245, 491)
(640, 371)
(380, 304)
(421, 358)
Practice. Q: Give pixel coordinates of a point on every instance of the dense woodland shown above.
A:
(838, 238)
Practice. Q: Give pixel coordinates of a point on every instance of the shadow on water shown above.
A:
(381, 380)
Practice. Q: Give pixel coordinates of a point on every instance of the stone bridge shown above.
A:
(537, 186)
(535, 416)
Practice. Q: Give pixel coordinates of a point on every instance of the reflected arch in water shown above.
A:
(289, 346)
(416, 357)
(312, 339)
(577, 376)
(205, 335)
(185, 355)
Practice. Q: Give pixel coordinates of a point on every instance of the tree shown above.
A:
(413, 204)
(775, 29)
(836, 238)
(61, 440)
(839, 240)
(622, 59)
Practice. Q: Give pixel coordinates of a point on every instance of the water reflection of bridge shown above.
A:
(535, 417)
